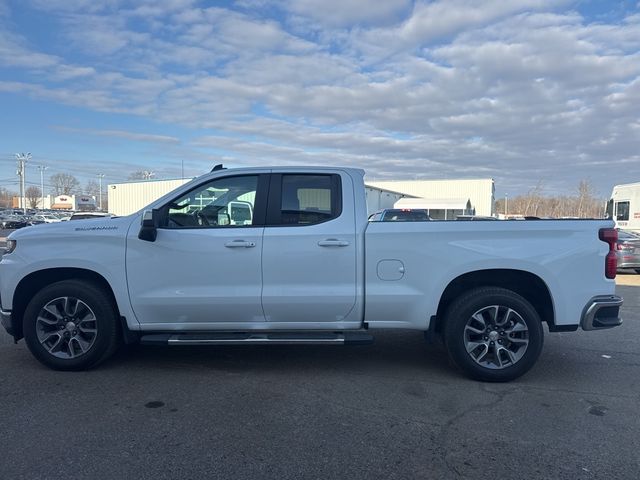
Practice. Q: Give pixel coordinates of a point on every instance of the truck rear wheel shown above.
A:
(493, 334)
(71, 325)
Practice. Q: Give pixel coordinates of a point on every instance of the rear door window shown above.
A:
(301, 199)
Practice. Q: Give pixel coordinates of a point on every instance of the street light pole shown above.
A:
(22, 158)
(100, 177)
(42, 168)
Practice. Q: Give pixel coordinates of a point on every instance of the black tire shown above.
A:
(637, 270)
(500, 354)
(84, 349)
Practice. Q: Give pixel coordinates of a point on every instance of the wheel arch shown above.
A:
(526, 284)
(35, 281)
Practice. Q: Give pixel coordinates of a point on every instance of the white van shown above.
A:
(624, 206)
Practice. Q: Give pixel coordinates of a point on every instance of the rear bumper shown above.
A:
(602, 312)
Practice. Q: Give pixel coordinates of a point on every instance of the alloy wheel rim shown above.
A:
(66, 327)
(496, 337)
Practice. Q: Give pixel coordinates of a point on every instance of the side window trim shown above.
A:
(259, 208)
(273, 216)
(273, 212)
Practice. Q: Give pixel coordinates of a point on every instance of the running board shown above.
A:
(245, 338)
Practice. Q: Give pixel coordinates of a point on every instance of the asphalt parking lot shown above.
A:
(396, 409)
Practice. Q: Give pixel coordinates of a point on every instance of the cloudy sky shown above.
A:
(523, 91)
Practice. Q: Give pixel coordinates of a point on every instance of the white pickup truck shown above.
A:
(287, 256)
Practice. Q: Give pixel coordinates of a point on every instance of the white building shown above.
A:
(379, 198)
(126, 198)
(443, 198)
(453, 194)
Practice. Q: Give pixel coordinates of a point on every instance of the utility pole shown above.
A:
(42, 168)
(22, 158)
(100, 177)
(506, 202)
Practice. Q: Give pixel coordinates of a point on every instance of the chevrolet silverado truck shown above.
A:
(288, 256)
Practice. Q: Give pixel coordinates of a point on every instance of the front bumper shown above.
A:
(602, 312)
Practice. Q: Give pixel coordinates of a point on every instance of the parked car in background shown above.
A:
(31, 220)
(64, 216)
(628, 250)
(46, 218)
(13, 222)
(400, 215)
(88, 215)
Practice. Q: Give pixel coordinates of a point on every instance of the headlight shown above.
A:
(11, 246)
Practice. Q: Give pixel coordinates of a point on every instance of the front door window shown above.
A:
(224, 202)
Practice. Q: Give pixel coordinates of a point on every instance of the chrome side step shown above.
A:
(258, 338)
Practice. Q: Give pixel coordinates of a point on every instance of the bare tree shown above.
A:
(92, 188)
(533, 200)
(6, 198)
(585, 204)
(33, 195)
(64, 184)
(588, 205)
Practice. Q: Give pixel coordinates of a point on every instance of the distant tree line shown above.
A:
(584, 203)
(62, 184)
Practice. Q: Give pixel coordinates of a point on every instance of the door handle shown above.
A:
(240, 244)
(333, 242)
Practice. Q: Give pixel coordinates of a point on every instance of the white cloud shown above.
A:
(346, 13)
(438, 21)
(14, 52)
(66, 6)
(92, 99)
(135, 136)
(246, 35)
(67, 72)
(508, 89)
(100, 35)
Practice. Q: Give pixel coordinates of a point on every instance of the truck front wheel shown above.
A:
(71, 325)
(493, 334)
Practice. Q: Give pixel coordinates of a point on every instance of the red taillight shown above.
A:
(610, 236)
(610, 265)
